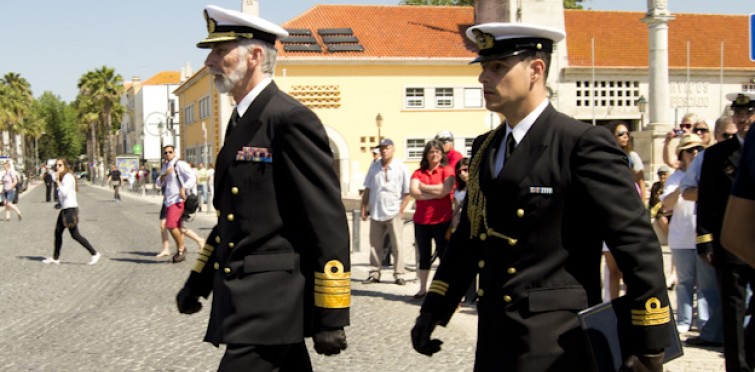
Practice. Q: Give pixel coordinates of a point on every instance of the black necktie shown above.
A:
(510, 146)
(232, 123)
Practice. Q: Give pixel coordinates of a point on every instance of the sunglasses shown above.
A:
(168, 152)
(685, 126)
(622, 133)
(692, 150)
(464, 170)
(701, 130)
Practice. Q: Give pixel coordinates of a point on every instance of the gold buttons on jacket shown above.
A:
(230, 217)
(483, 236)
(217, 213)
(520, 213)
(512, 242)
(231, 245)
(480, 292)
(234, 190)
(217, 239)
(481, 264)
(227, 270)
(216, 266)
(507, 298)
(511, 271)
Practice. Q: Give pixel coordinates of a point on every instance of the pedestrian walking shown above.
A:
(165, 252)
(277, 262)
(115, 179)
(47, 178)
(68, 217)
(10, 180)
(544, 192)
(176, 179)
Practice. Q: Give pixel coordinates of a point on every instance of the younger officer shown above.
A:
(717, 175)
(277, 262)
(544, 192)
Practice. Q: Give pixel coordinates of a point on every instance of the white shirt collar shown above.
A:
(242, 106)
(521, 129)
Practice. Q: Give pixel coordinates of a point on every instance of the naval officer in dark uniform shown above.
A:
(717, 175)
(544, 192)
(277, 262)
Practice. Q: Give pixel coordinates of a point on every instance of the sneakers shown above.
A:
(95, 258)
(400, 281)
(371, 279)
(50, 260)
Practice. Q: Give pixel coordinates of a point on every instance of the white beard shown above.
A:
(224, 83)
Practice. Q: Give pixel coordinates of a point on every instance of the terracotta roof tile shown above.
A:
(391, 31)
(621, 38)
(164, 77)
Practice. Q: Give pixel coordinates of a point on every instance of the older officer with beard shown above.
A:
(277, 262)
(544, 191)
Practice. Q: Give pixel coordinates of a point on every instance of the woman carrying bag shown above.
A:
(68, 218)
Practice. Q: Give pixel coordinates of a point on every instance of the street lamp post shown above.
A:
(204, 148)
(379, 123)
(642, 104)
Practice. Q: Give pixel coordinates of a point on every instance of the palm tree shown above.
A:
(15, 106)
(103, 87)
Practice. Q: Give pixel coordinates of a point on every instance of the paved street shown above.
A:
(120, 315)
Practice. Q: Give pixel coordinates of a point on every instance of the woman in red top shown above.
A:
(431, 186)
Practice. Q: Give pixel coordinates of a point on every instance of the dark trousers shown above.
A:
(739, 342)
(424, 235)
(266, 358)
(48, 192)
(74, 234)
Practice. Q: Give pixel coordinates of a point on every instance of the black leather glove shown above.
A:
(330, 341)
(187, 301)
(421, 332)
(643, 363)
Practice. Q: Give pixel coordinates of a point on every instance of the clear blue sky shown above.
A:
(53, 43)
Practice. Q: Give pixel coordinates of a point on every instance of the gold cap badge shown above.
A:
(484, 40)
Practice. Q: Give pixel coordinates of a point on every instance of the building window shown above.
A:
(444, 97)
(189, 114)
(472, 97)
(468, 147)
(414, 98)
(204, 107)
(414, 148)
(748, 87)
(620, 93)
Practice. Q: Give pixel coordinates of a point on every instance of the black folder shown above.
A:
(604, 335)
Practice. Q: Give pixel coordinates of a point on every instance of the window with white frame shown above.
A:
(444, 97)
(468, 147)
(414, 98)
(607, 93)
(748, 87)
(414, 148)
(189, 114)
(472, 97)
(204, 107)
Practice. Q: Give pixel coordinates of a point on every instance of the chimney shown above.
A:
(251, 7)
(189, 72)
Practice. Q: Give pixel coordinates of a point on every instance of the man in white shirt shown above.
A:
(386, 194)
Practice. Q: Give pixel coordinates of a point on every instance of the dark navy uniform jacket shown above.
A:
(277, 262)
(563, 191)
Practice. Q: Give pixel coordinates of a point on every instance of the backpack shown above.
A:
(191, 204)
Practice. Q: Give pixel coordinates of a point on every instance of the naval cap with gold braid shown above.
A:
(228, 25)
(499, 40)
(742, 100)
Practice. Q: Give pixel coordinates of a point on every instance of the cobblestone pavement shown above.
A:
(120, 315)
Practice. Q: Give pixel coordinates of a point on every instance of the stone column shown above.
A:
(650, 140)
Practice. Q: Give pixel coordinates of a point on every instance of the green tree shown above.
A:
(568, 4)
(102, 90)
(61, 135)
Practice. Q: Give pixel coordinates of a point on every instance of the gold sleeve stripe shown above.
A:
(439, 284)
(702, 239)
(435, 290)
(333, 282)
(332, 301)
(653, 314)
(205, 253)
(332, 290)
(438, 287)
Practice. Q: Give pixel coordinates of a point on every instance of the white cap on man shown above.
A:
(228, 25)
(498, 40)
